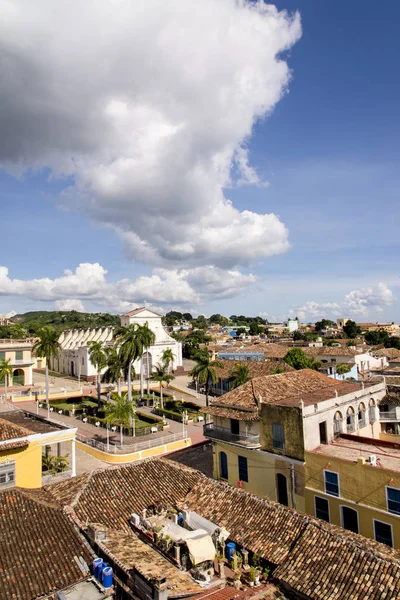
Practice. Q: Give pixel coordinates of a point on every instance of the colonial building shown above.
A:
(22, 360)
(261, 430)
(73, 358)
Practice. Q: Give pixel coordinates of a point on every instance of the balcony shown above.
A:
(23, 362)
(388, 415)
(225, 435)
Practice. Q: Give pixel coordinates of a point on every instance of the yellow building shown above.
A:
(356, 484)
(263, 431)
(23, 441)
(19, 352)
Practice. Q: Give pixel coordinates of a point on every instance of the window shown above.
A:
(338, 423)
(393, 500)
(383, 533)
(243, 474)
(39, 364)
(282, 493)
(2, 356)
(322, 508)
(235, 427)
(223, 465)
(83, 360)
(323, 438)
(7, 475)
(350, 420)
(349, 518)
(278, 436)
(331, 483)
(372, 416)
(361, 415)
(18, 355)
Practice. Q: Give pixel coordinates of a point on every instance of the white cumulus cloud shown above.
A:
(147, 106)
(163, 288)
(356, 303)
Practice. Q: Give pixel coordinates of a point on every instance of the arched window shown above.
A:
(371, 410)
(361, 415)
(350, 426)
(18, 377)
(223, 465)
(338, 423)
(147, 364)
(281, 486)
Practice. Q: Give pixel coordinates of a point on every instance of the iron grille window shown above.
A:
(383, 533)
(243, 473)
(372, 417)
(278, 436)
(393, 500)
(331, 483)
(7, 475)
(322, 508)
(18, 355)
(224, 465)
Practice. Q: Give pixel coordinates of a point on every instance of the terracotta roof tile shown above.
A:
(38, 546)
(255, 368)
(9, 431)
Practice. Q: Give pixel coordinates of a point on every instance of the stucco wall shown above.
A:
(28, 467)
(291, 418)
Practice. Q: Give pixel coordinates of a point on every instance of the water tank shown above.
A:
(101, 568)
(230, 549)
(107, 577)
(96, 564)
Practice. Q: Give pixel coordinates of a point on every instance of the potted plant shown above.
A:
(252, 576)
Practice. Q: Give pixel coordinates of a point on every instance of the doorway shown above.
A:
(235, 426)
(323, 436)
(349, 519)
(281, 486)
(72, 369)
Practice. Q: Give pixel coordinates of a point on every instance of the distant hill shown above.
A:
(31, 322)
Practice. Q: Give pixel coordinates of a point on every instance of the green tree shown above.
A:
(239, 375)
(14, 332)
(120, 411)
(187, 317)
(255, 329)
(47, 347)
(343, 368)
(99, 361)
(377, 337)
(115, 367)
(6, 371)
(131, 347)
(298, 359)
(204, 371)
(161, 375)
(167, 358)
(324, 324)
(200, 322)
(351, 329)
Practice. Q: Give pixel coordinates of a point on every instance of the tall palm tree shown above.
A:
(120, 412)
(115, 366)
(131, 347)
(47, 347)
(147, 338)
(167, 357)
(239, 375)
(204, 371)
(98, 359)
(6, 371)
(161, 375)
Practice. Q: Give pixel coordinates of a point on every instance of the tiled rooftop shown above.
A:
(391, 353)
(131, 552)
(38, 546)
(351, 450)
(255, 368)
(9, 431)
(286, 389)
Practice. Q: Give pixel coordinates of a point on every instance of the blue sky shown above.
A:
(330, 154)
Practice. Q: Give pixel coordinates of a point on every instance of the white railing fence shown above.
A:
(130, 448)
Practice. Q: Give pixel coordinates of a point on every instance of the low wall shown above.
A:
(116, 459)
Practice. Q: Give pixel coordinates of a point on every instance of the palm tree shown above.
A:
(239, 375)
(167, 357)
(147, 338)
(131, 347)
(47, 347)
(204, 371)
(115, 367)
(120, 412)
(161, 375)
(6, 372)
(98, 359)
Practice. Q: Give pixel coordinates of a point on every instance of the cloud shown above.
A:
(164, 288)
(10, 314)
(147, 111)
(356, 303)
(70, 304)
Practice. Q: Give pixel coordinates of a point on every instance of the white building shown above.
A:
(73, 359)
(292, 325)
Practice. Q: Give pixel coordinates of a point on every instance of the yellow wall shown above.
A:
(262, 470)
(28, 467)
(109, 457)
(362, 488)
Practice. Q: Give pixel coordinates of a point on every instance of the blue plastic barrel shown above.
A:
(101, 568)
(230, 549)
(96, 564)
(107, 577)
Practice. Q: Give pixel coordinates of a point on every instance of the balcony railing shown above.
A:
(22, 361)
(388, 415)
(222, 433)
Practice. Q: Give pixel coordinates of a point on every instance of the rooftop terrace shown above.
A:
(387, 454)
